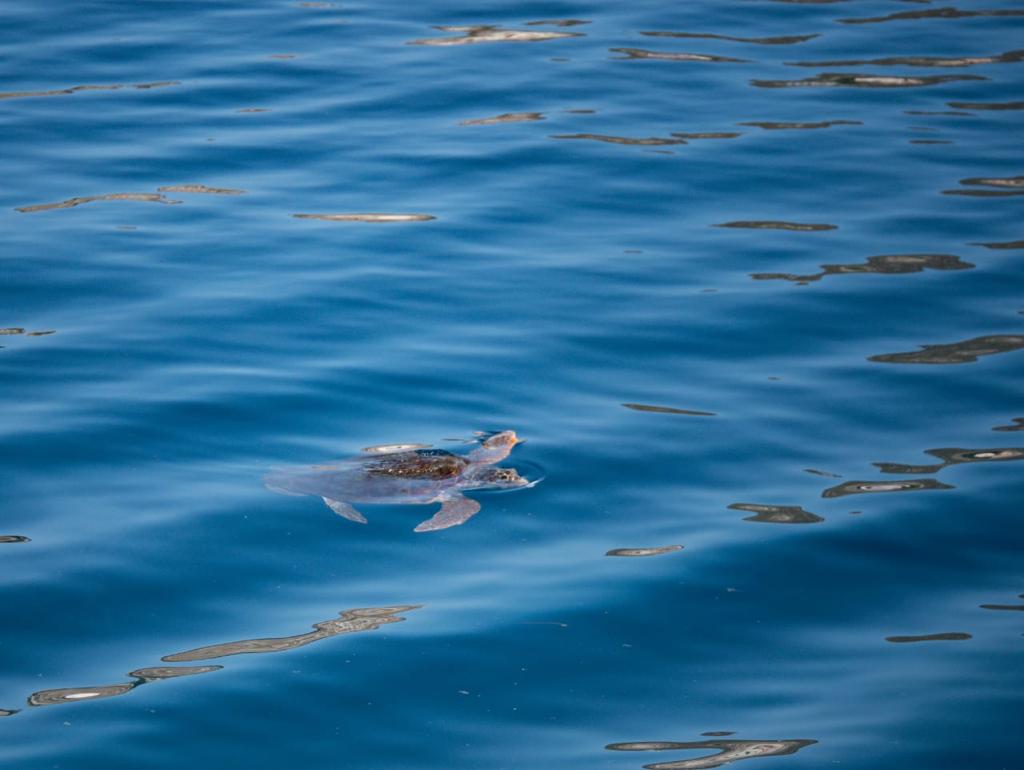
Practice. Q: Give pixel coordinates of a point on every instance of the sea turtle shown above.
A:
(399, 475)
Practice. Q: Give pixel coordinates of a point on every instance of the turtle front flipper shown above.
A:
(346, 510)
(454, 511)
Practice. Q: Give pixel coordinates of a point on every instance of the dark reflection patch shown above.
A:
(200, 189)
(651, 141)
(1002, 245)
(934, 13)
(726, 751)
(918, 61)
(955, 456)
(986, 105)
(507, 117)
(641, 53)
(708, 135)
(76, 89)
(557, 22)
(1004, 607)
(958, 113)
(777, 514)
(373, 218)
(668, 410)
(974, 193)
(72, 202)
(873, 487)
(965, 352)
(774, 224)
(995, 181)
(656, 551)
(948, 636)
(855, 80)
(776, 126)
(780, 40)
(155, 673)
(885, 264)
(351, 621)
(78, 694)
(491, 33)
(1018, 424)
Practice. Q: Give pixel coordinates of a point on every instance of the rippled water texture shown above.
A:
(745, 274)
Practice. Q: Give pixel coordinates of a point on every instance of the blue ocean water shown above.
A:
(162, 349)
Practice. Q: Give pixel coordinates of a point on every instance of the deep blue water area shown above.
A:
(711, 275)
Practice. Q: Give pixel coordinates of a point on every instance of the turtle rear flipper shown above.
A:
(346, 510)
(454, 511)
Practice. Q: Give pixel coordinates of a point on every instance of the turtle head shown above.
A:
(499, 478)
(495, 448)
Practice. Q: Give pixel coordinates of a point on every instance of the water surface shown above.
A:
(688, 251)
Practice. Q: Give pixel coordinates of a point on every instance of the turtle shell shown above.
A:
(434, 464)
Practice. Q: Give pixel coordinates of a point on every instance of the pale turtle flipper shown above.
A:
(454, 511)
(346, 510)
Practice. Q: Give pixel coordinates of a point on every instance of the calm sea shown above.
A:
(745, 274)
